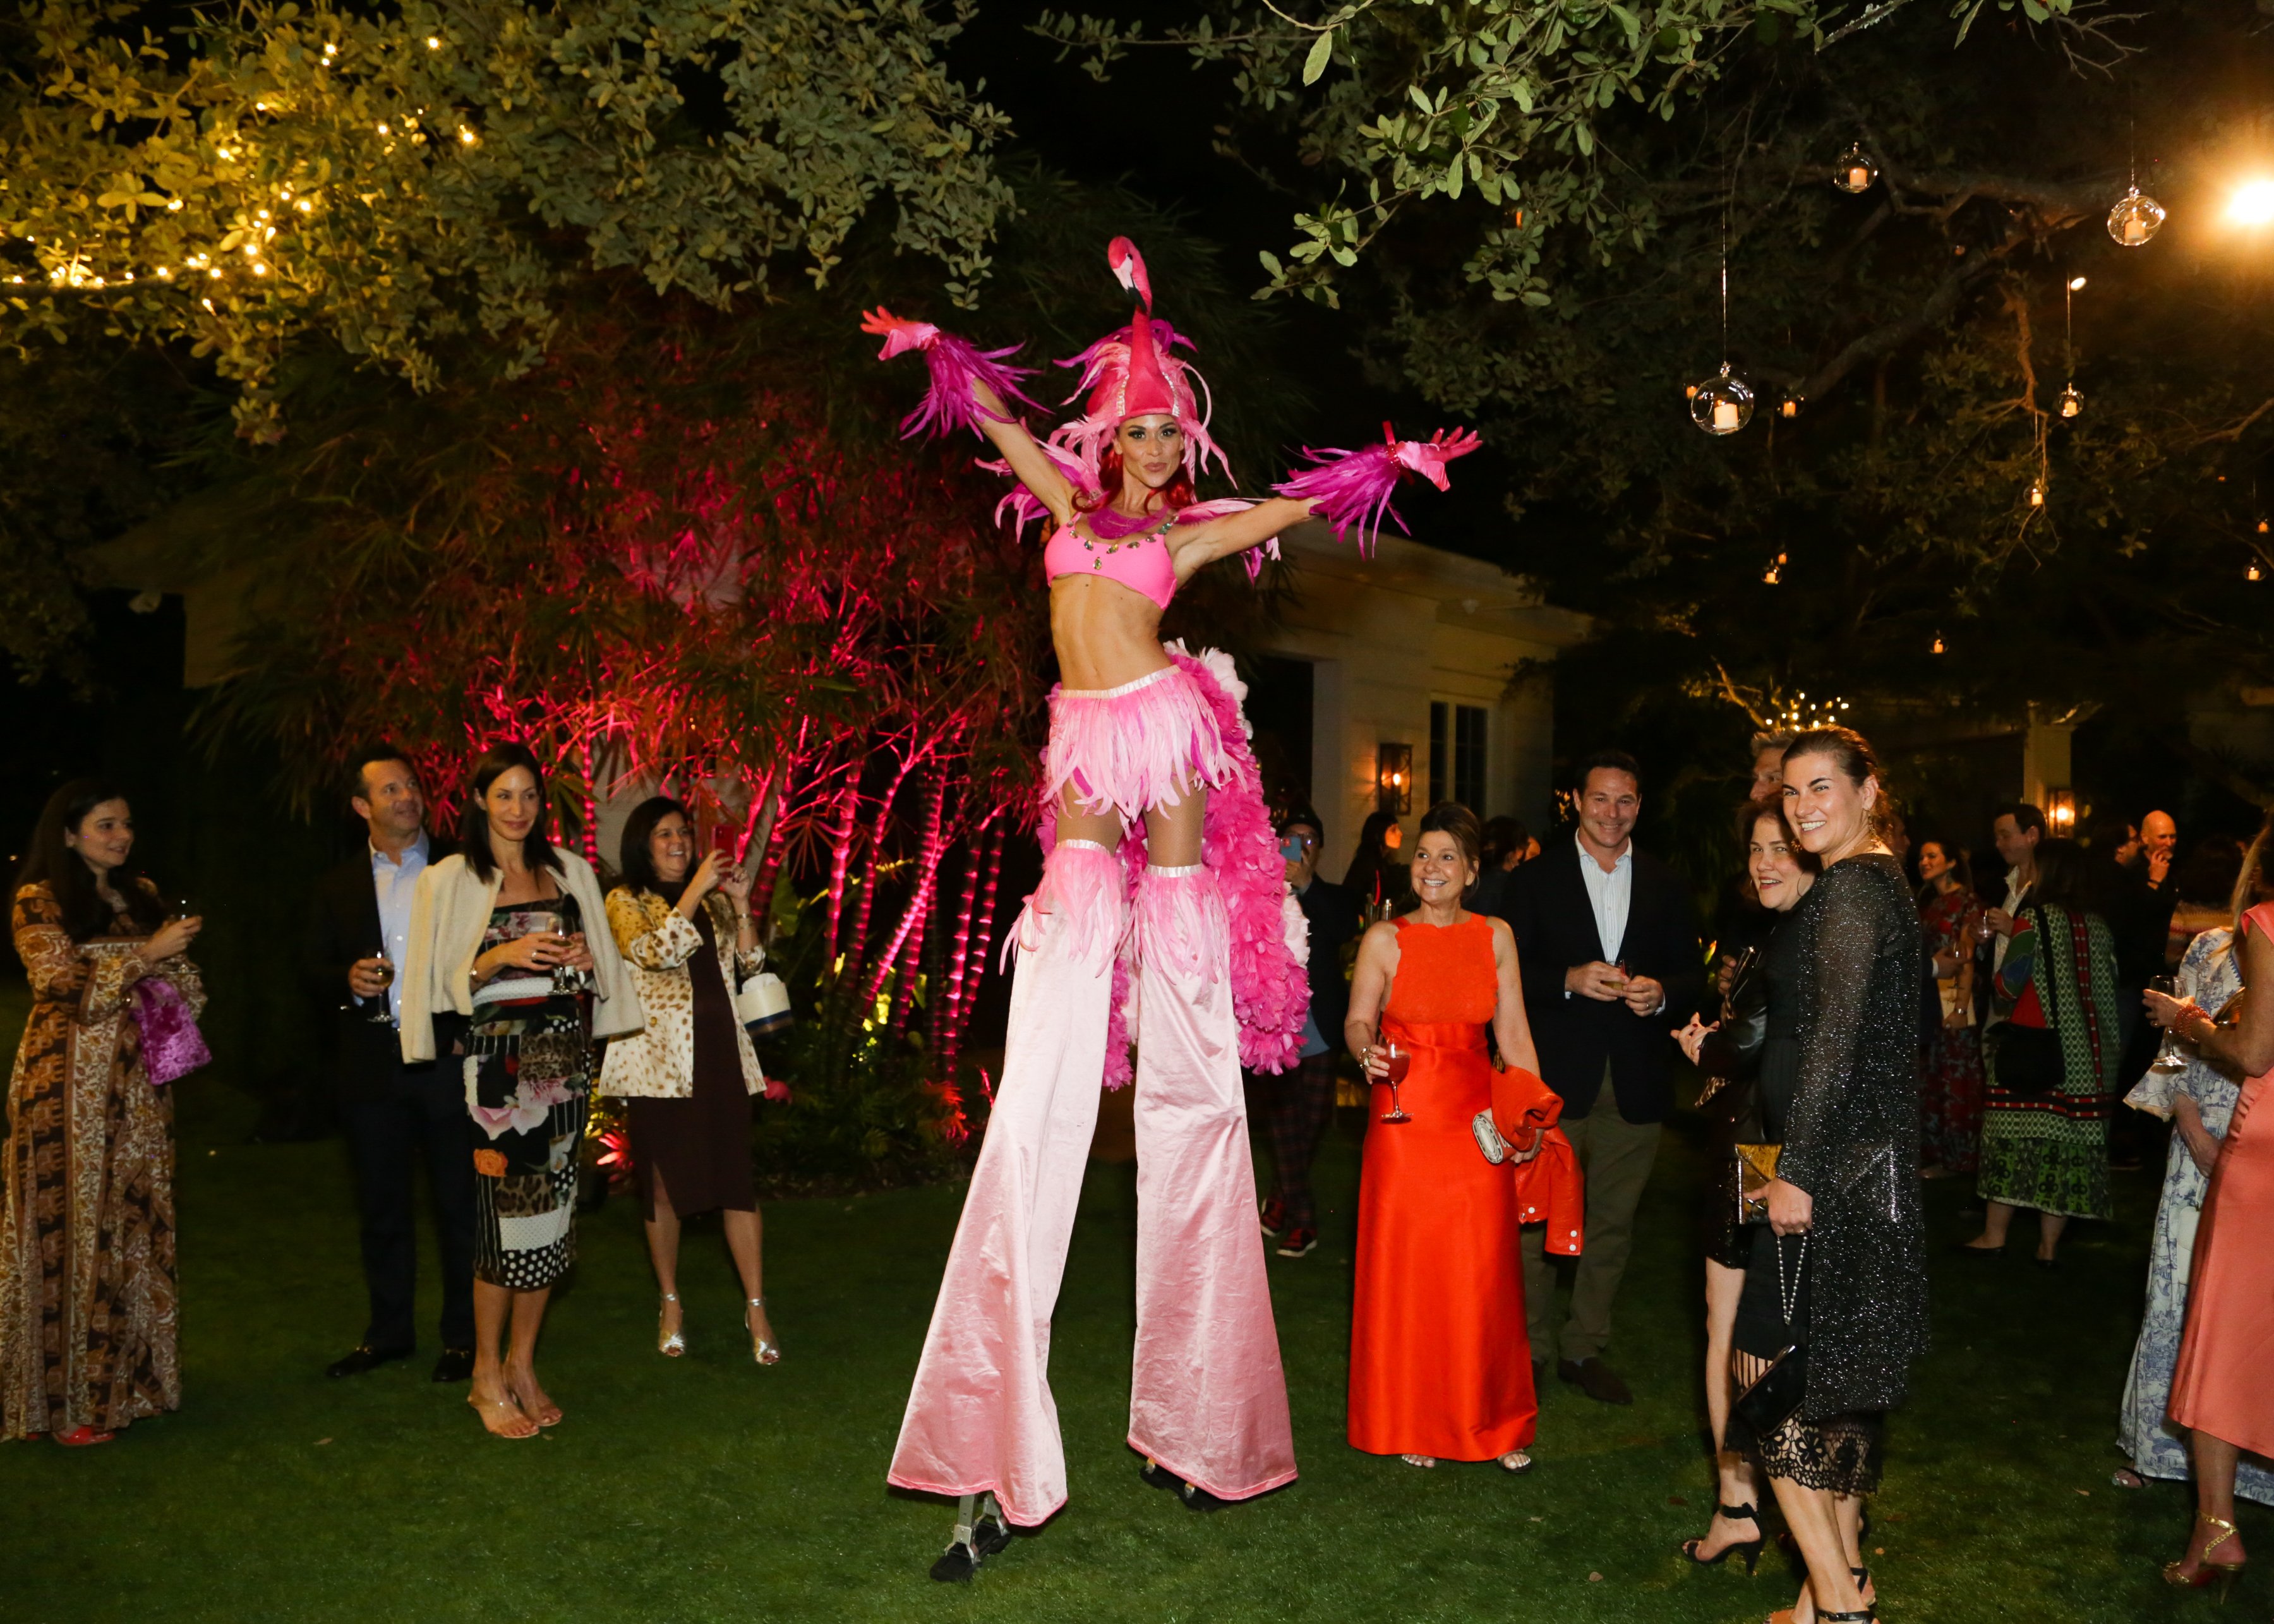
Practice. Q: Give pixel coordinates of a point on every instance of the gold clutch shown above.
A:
(1757, 1170)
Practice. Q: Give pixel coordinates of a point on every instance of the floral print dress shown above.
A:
(529, 1069)
(88, 1321)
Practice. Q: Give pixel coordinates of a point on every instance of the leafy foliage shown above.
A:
(402, 179)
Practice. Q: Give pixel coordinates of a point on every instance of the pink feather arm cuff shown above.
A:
(956, 366)
(1354, 487)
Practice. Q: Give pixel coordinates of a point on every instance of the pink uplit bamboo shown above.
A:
(840, 858)
(982, 940)
(943, 1007)
(910, 939)
(856, 940)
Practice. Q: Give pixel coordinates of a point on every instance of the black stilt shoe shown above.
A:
(980, 1532)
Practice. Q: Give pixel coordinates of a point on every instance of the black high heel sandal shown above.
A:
(1750, 1548)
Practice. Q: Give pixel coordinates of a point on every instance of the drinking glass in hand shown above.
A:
(2170, 1057)
(1398, 1061)
(378, 1014)
(183, 907)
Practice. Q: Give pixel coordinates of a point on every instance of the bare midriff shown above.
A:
(1106, 634)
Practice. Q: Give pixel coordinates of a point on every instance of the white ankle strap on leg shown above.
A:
(1087, 846)
(1155, 871)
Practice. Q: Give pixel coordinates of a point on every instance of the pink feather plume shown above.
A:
(1354, 487)
(956, 365)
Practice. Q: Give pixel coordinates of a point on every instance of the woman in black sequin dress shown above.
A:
(1839, 1268)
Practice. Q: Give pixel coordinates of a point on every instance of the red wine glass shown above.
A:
(1398, 1061)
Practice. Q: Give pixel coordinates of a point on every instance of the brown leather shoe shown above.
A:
(1598, 1380)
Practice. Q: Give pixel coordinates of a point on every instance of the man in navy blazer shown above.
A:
(1608, 939)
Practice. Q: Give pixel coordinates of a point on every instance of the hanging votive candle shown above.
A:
(1789, 407)
(2072, 401)
(2135, 218)
(1721, 405)
(2037, 496)
(1856, 172)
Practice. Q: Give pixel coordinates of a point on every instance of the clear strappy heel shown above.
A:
(675, 1344)
(762, 1350)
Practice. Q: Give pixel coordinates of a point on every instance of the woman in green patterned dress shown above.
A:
(2049, 1150)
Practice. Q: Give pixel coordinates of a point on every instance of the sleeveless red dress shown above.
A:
(2222, 1385)
(1440, 1364)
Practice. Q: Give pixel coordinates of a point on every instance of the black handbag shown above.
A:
(2027, 1060)
(1773, 1397)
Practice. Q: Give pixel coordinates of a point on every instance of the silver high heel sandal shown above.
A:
(675, 1344)
(762, 1350)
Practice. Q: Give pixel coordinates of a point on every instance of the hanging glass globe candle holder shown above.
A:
(1721, 405)
(2135, 218)
(1855, 171)
(2072, 401)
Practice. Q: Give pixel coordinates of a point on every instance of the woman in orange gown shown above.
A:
(2221, 1391)
(1440, 1368)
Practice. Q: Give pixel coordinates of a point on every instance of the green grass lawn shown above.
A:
(708, 1489)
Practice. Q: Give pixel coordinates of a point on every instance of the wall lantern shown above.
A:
(2060, 811)
(1393, 778)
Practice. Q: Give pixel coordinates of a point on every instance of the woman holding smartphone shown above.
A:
(685, 929)
(503, 976)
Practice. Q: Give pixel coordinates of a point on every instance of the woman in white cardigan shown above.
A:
(509, 973)
(685, 930)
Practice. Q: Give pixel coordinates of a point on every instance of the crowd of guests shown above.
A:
(1515, 1011)
(485, 989)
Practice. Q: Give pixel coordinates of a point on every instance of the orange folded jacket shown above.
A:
(1547, 1188)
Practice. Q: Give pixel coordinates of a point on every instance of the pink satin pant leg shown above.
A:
(1208, 1396)
(981, 1416)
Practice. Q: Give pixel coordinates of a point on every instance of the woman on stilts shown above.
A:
(1160, 868)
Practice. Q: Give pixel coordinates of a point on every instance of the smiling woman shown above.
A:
(1833, 1307)
(87, 1312)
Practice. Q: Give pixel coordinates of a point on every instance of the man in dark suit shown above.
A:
(1608, 943)
(391, 1114)
(1303, 1100)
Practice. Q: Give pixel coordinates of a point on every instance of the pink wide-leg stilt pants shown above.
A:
(1208, 1400)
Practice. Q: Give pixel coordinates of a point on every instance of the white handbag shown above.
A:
(762, 1004)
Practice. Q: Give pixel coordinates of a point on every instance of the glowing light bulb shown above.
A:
(2076, 282)
(174, 205)
(468, 136)
(432, 43)
(383, 130)
(2252, 204)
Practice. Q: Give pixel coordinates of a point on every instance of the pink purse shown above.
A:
(172, 1046)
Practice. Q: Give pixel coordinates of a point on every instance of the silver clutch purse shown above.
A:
(1496, 1149)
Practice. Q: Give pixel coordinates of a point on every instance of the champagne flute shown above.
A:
(378, 1014)
(1397, 1060)
(2170, 1056)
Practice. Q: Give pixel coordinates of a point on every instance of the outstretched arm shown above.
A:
(971, 388)
(1343, 487)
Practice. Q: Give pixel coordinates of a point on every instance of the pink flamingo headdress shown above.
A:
(1135, 371)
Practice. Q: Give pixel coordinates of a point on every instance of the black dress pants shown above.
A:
(419, 1112)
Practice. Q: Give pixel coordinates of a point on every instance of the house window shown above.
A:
(1456, 754)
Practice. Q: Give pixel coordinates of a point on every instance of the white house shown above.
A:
(1446, 658)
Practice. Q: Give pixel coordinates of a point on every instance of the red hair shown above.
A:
(1178, 493)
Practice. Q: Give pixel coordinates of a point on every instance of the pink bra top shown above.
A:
(1138, 562)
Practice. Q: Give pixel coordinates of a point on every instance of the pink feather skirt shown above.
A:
(1125, 749)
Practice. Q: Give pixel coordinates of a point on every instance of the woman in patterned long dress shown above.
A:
(2220, 1396)
(2050, 1150)
(511, 968)
(2199, 1101)
(1440, 1364)
(87, 1233)
(1950, 1093)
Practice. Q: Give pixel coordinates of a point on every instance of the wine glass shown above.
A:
(378, 1014)
(2170, 1056)
(1397, 1060)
